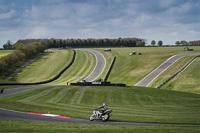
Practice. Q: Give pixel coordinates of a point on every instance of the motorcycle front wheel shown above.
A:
(91, 118)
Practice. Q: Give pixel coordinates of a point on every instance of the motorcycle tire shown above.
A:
(105, 118)
(91, 118)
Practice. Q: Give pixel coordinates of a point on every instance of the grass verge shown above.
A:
(48, 127)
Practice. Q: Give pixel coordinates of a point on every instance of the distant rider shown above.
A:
(105, 107)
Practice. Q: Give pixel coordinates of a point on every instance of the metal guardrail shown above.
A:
(109, 70)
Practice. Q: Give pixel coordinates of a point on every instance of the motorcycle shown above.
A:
(97, 115)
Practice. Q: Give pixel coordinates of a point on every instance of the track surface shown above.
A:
(154, 74)
(15, 115)
(100, 65)
(18, 90)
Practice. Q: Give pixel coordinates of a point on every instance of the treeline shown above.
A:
(90, 42)
(190, 43)
(194, 43)
(23, 51)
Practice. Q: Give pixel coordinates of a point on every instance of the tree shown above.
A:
(153, 42)
(140, 44)
(177, 43)
(184, 43)
(8, 45)
(160, 43)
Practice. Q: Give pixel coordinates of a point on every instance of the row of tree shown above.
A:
(90, 42)
(185, 43)
(23, 51)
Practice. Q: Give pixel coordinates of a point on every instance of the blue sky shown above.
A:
(166, 20)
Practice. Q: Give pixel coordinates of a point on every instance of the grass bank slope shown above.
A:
(188, 80)
(131, 104)
(131, 69)
(83, 65)
(45, 68)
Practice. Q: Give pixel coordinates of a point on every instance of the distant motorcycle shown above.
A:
(98, 116)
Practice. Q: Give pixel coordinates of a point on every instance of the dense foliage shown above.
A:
(195, 43)
(90, 42)
(23, 51)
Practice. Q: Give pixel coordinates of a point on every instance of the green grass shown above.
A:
(50, 65)
(45, 68)
(177, 66)
(48, 127)
(131, 104)
(188, 80)
(5, 52)
(81, 68)
(131, 69)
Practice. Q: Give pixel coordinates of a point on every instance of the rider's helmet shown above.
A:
(104, 104)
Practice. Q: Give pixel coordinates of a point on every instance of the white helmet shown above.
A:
(104, 104)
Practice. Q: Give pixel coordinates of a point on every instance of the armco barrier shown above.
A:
(47, 81)
(109, 70)
(96, 84)
(163, 83)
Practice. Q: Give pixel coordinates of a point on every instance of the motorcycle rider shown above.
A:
(105, 107)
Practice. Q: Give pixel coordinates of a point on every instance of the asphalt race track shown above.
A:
(154, 74)
(100, 65)
(18, 90)
(15, 115)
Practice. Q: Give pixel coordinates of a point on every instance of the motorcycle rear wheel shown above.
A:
(105, 118)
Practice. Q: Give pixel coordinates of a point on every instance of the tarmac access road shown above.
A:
(154, 74)
(99, 68)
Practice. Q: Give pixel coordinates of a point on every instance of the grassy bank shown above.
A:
(82, 67)
(177, 66)
(131, 69)
(45, 68)
(47, 127)
(131, 104)
(188, 80)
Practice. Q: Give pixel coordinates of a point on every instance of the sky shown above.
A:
(166, 20)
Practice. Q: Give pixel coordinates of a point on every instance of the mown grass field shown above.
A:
(50, 65)
(5, 52)
(131, 104)
(45, 68)
(81, 68)
(48, 127)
